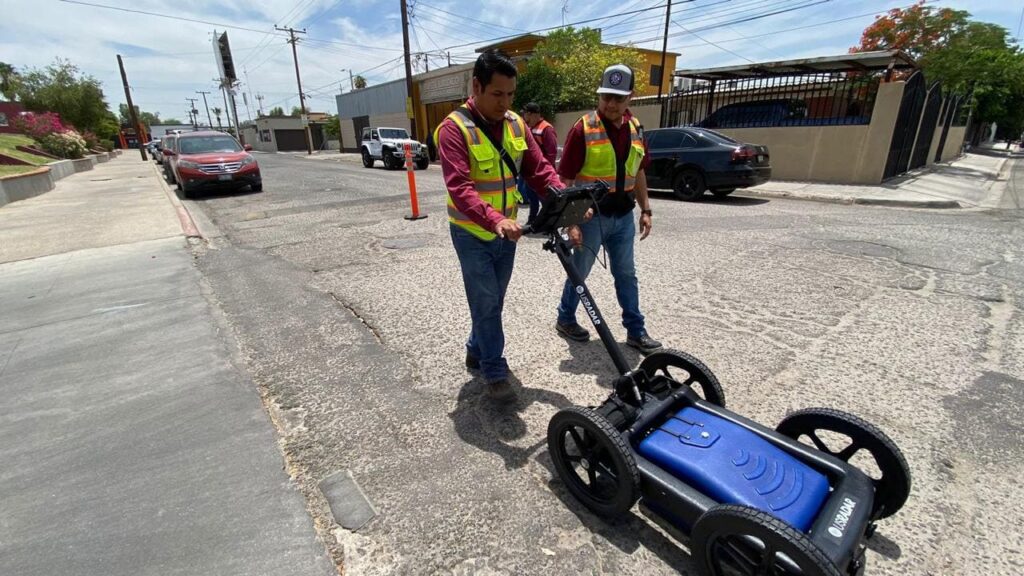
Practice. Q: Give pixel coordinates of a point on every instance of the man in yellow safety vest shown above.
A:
(607, 145)
(484, 147)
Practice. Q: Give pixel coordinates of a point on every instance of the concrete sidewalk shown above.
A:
(131, 443)
(973, 180)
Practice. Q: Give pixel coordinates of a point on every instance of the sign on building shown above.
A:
(444, 88)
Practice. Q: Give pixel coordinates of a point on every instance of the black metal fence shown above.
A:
(807, 99)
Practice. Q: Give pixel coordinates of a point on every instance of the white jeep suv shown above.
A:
(388, 145)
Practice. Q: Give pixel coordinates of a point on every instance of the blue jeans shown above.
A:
(617, 234)
(530, 196)
(486, 271)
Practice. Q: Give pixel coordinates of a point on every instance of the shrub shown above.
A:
(39, 125)
(91, 140)
(64, 144)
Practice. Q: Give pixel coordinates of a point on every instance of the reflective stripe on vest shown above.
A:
(600, 162)
(492, 178)
(539, 129)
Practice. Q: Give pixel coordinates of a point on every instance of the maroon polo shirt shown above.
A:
(549, 143)
(454, 154)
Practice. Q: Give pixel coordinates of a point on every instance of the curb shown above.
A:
(188, 225)
(851, 200)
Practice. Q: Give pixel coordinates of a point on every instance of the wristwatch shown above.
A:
(647, 212)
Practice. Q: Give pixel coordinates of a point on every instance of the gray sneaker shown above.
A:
(573, 331)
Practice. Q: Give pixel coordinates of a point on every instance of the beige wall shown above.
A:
(348, 134)
(954, 142)
(838, 154)
(394, 120)
(649, 115)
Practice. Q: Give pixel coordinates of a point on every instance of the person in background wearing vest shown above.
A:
(608, 145)
(544, 134)
(483, 146)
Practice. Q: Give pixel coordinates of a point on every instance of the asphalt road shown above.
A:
(352, 319)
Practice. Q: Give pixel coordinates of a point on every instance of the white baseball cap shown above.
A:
(617, 79)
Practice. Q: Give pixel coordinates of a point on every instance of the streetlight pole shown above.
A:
(208, 119)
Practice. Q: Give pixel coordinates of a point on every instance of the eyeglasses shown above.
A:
(617, 98)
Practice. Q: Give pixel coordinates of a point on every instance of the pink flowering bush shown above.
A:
(39, 125)
(52, 135)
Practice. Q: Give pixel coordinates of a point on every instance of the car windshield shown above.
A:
(394, 133)
(205, 144)
(716, 137)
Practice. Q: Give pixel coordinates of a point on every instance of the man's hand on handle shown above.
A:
(509, 230)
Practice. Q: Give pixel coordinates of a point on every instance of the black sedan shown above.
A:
(690, 161)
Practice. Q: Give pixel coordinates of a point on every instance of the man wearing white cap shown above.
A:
(607, 145)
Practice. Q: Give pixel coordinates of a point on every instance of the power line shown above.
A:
(463, 17)
(706, 41)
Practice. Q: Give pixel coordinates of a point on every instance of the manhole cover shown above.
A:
(403, 243)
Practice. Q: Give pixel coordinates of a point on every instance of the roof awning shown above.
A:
(856, 62)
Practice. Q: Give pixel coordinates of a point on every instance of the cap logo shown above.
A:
(615, 78)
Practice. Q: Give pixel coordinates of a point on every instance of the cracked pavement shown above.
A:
(351, 320)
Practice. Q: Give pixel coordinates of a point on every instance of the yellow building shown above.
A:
(438, 92)
(522, 47)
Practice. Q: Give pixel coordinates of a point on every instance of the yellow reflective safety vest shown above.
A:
(600, 163)
(492, 178)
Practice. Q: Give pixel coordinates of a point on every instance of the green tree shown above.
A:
(359, 82)
(61, 88)
(296, 112)
(172, 121)
(566, 70)
(332, 127)
(966, 56)
(9, 80)
(147, 119)
(276, 112)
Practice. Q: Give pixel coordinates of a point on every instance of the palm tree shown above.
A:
(216, 112)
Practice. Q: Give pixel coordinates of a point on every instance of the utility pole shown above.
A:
(408, 68)
(194, 115)
(449, 54)
(234, 111)
(208, 119)
(298, 79)
(664, 46)
(131, 108)
(259, 109)
(227, 107)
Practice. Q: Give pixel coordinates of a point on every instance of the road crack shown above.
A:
(363, 321)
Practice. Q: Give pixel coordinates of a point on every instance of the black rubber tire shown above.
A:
(422, 164)
(367, 159)
(256, 187)
(707, 385)
(187, 192)
(389, 159)
(893, 488)
(598, 442)
(169, 176)
(719, 536)
(688, 185)
(723, 192)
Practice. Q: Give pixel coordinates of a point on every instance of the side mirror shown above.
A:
(168, 152)
(247, 147)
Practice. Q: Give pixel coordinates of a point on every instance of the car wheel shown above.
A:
(723, 192)
(688, 185)
(389, 160)
(187, 191)
(422, 164)
(168, 177)
(256, 187)
(367, 159)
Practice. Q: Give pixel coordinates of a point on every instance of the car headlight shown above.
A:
(188, 164)
(248, 160)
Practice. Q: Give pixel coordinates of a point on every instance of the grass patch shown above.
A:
(12, 170)
(8, 142)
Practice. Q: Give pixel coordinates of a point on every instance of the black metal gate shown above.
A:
(901, 147)
(926, 132)
(948, 114)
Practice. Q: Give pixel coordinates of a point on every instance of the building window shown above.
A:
(3, 119)
(655, 75)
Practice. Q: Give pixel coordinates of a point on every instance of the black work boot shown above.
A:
(573, 331)
(644, 343)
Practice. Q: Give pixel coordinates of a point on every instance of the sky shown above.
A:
(168, 59)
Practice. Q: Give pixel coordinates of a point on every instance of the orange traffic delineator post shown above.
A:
(409, 170)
